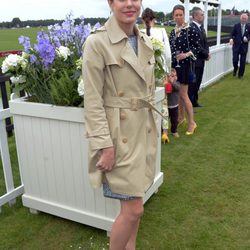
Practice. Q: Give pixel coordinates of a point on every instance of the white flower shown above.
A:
(18, 79)
(13, 61)
(80, 88)
(157, 44)
(63, 52)
(5, 67)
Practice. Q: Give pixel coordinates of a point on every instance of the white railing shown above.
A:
(11, 191)
(248, 54)
(219, 64)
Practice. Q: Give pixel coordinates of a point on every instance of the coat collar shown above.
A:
(145, 50)
(115, 33)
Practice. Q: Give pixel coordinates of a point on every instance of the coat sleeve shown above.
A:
(204, 53)
(93, 76)
(248, 32)
(194, 41)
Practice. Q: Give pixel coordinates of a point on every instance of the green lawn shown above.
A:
(9, 37)
(204, 202)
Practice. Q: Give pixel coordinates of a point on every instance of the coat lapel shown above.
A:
(145, 51)
(130, 57)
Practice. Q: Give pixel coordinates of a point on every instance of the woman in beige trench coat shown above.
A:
(119, 94)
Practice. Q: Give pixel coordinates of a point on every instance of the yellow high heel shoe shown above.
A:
(164, 138)
(191, 132)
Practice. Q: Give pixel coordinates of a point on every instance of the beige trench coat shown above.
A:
(119, 89)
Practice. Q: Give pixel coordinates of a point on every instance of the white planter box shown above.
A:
(52, 154)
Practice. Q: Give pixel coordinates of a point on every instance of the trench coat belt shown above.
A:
(133, 103)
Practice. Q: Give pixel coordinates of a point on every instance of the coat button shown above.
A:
(149, 130)
(124, 140)
(122, 116)
(121, 94)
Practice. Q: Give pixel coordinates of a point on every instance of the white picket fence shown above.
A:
(219, 65)
(11, 191)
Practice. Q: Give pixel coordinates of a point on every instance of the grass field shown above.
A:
(203, 204)
(9, 37)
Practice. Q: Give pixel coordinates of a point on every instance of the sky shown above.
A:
(58, 9)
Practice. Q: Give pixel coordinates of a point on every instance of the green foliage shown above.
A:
(64, 90)
(47, 70)
(16, 22)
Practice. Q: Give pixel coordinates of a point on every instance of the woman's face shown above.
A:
(179, 17)
(125, 11)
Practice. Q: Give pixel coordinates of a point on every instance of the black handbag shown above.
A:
(191, 75)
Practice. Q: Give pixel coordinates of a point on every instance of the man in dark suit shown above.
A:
(193, 88)
(239, 39)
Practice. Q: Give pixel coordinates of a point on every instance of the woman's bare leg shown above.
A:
(181, 110)
(125, 228)
(132, 240)
(184, 99)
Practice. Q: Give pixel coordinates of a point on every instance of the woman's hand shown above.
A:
(182, 56)
(107, 159)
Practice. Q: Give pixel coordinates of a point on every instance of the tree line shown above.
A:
(17, 23)
(160, 17)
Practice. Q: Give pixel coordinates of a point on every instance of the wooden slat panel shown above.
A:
(66, 165)
(39, 156)
(57, 160)
(46, 143)
(31, 170)
(76, 136)
(87, 189)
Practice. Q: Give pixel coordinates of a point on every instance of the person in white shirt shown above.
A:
(148, 17)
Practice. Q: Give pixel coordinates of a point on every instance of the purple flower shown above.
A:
(25, 41)
(45, 49)
(33, 59)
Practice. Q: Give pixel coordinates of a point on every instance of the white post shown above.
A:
(219, 16)
(206, 16)
(186, 5)
(4, 150)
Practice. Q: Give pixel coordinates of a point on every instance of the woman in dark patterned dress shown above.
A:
(184, 46)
